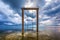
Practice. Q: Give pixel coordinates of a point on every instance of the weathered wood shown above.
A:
(30, 8)
(22, 24)
(23, 21)
(37, 24)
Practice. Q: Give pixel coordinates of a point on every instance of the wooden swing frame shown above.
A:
(23, 20)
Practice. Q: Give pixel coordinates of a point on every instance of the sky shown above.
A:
(11, 13)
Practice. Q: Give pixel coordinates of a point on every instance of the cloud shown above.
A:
(10, 13)
(51, 3)
(58, 24)
(47, 22)
(46, 17)
(47, 2)
(16, 19)
(1, 17)
(30, 3)
(29, 20)
(12, 16)
(46, 13)
(51, 9)
(8, 23)
(57, 20)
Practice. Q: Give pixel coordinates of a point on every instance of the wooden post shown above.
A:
(22, 24)
(37, 24)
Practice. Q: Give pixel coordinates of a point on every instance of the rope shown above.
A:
(32, 22)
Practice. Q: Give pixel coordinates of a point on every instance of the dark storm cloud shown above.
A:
(53, 8)
(53, 11)
(3, 22)
(15, 4)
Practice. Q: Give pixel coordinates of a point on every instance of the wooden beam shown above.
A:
(30, 8)
(37, 24)
(22, 24)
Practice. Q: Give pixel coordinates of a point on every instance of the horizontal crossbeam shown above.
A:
(30, 8)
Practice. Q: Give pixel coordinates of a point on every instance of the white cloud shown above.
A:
(47, 22)
(50, 3)
(16, 19)
(10, 13)
(30, 4)
(40, 16)
(28, 20)
(48, 0)
(5, 8)
(47, 3)
(46, 17)
(8, 23)
(59, 24)
(50, 20)
(32, 11)
(54, 8)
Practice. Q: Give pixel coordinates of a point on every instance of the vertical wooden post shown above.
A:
(37, 24)
(22, 24)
